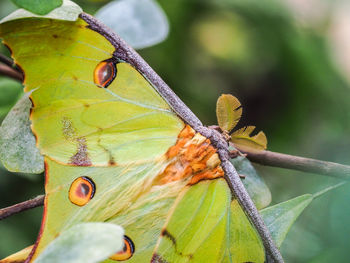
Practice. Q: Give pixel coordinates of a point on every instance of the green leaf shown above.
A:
(18, 151)
(243, 140)
(10, 91)
(68, 11)
(84, 243)
(255, 185)
(228, 112)
(141, 23)
(279, 218)
(40, 7)
(6, 7)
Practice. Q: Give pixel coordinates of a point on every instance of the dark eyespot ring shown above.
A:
(81, 191)
(105, 72)
(127, 252)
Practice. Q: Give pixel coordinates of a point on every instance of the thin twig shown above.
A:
(11, 72)
(17, 208)
(9, 62)
(299, 163)
(6, 60)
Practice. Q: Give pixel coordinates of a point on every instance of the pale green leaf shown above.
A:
(255, 185)
(18, 151)
(228, 112)
(141, 23)
(279, 218)
(242, 139)
(67, 11)
(84, 243)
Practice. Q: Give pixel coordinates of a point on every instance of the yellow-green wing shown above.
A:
(105, 138)
(205, 226)
(126, 196)
(76, 121)
(111, 138)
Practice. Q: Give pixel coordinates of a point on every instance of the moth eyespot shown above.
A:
(127, 251)
(81, 191)
(105, 72)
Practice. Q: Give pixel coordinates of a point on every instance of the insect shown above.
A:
(121, 147)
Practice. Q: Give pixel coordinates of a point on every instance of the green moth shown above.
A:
(121, 147)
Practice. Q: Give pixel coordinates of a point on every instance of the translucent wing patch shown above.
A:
(205, 226)
(126, 196)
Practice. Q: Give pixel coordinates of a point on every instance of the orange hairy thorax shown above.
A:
(192, 158)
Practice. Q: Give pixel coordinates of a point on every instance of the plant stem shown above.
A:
(17, 208)
(298, 163)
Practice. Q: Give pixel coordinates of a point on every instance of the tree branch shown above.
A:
(11, 72)
(17, 208)
(298, 163)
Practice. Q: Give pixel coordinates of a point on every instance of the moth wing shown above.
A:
(76, 117)
(206, 226)
(90, 134)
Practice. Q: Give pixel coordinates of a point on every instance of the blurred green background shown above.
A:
(288, 62)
